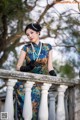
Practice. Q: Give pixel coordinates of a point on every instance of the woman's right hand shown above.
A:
(29, 67)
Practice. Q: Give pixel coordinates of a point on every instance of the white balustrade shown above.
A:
(27, 108)
(9, 107)
(60, 105)
(43, 109)
(52, 96)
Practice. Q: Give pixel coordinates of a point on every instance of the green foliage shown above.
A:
(66, 28)
(11, 8)
(67, 70)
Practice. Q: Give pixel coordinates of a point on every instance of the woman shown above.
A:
(38, 58)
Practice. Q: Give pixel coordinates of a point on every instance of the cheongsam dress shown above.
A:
(41, 67)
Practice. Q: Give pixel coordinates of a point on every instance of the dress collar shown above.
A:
(36, 45)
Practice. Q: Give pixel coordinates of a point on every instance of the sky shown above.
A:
(58, 8)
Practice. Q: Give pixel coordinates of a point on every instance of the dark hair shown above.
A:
(34, 26)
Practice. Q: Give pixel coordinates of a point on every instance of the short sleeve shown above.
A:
(24, 48)
(50, 47)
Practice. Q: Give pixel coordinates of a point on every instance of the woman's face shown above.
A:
(32, 35)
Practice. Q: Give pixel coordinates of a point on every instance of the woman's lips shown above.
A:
(31, 39)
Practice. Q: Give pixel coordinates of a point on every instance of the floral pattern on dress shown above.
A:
(40, 68)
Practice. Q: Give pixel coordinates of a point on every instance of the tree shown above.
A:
(15, 14)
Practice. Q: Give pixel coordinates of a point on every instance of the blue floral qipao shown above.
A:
(40, 68)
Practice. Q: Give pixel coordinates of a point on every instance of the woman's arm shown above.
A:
(21, 59)
(50, 65)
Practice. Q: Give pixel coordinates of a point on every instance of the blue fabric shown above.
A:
(40, 68)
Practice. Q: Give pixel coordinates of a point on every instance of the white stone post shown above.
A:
(77, 102)
(43, 109)
(27, 108)
(52, 97)
(9, 105)
(60, 105)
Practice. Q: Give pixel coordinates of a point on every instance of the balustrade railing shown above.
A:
(48, 110)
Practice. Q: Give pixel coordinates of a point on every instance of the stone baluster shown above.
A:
(9, 107)
(60, 105)
(43, 109)
(27, 108)
(52, 96)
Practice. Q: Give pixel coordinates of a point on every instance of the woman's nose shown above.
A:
(30, 35)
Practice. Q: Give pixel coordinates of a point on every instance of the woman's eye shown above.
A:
(31, 32)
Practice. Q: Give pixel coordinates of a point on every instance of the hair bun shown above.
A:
(37, 27)
(34, 26)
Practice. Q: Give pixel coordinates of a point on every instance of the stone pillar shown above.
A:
(9, 107)
(43, 109)
(60, 105)
(52, 113)
(77, 102)
(27, 108)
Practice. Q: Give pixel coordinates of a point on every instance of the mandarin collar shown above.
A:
(36, 45)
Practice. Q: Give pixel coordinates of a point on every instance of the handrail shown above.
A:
(62, 85)
(25, 76)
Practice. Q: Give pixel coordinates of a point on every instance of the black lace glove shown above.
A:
(52, 73)
(29, 67)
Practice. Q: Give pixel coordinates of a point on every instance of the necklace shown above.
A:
(34, 51)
